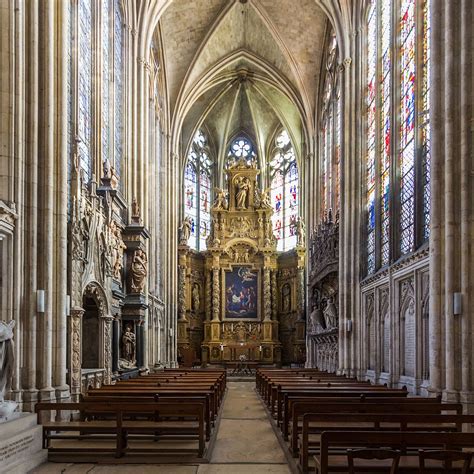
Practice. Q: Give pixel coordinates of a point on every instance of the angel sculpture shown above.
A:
(220, 201)
(263, 200)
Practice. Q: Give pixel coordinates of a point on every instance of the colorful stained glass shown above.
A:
(385, 128)
(105, 132)
(284, 191)
(407, 126)
(425, 121)
(371, 131)
(198, 191)
(70, 121)
(118, 87)
(84, 69)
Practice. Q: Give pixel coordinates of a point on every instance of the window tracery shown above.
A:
(105, 62)
(397, 155)
(198, 176)
(84, 93)
(330, 131)
(284, 189)
(241, 148)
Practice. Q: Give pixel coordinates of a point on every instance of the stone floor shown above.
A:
(245, 444)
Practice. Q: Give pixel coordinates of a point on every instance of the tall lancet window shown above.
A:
(118, 68)
(397, 154)
(198, 176)
(330, 131)
(106, 79)
(84, 73)
(112, 84)
(284, 192)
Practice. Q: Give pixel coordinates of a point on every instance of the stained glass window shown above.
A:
(84, 72)
(407, 126)
(105, 13)
(330, 132)
(198, 191)
(284, 190)
(240, 148)
(385, 159)
(425, 121)
(70, 112)
(385, 129)
(118, 66)
(371, 132)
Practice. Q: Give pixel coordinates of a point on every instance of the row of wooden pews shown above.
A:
(333, 423)
(163, 417)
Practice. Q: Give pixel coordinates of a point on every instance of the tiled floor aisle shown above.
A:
(245, 444)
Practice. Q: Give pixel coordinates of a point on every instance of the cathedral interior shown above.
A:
(233, 185)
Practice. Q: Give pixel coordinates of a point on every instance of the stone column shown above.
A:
(108, 349)
(115, 345)
(75, 352)
(452, 188)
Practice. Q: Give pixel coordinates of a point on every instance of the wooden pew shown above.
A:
(330, 459)
(373, 421)
(296, 407)
(121, 426)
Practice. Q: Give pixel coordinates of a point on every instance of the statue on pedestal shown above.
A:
(128, 359)
(138, 271)
(185, 230)
(330, 314)
(220, 201)
(300, 232)
(7, 359)
(242, 188)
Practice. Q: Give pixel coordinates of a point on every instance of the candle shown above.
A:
(260, 348)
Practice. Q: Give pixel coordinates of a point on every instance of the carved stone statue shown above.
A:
(263, 200)
(138, 271)
(106, 169)
(118, 257)
(129, 345)
(7, 359)
(185, 230)
(316, 321)
(330, 314)
(220, 201)
(242, 188)
(300, 232)
(135, 211)
(196, 298)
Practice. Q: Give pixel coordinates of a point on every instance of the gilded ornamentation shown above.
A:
(182, 292)
(267, 295)
(215, 294)
(241, 227)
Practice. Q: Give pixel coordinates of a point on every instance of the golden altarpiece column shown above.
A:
(230, 301)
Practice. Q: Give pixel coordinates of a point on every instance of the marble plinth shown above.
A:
(20, 445)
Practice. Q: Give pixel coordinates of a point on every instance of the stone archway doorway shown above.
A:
(90, 334)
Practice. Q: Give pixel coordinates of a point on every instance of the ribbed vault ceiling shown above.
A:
(242, 66)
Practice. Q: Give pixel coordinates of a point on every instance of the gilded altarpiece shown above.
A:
(229, 295)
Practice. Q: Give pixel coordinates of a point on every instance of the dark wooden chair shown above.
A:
(447, 457)
(378, 454)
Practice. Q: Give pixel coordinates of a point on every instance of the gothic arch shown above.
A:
(95, 291)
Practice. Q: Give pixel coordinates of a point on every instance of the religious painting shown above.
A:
(241, 293)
